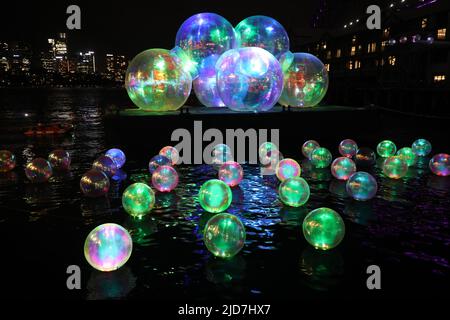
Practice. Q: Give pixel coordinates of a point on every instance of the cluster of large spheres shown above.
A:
(248, 68)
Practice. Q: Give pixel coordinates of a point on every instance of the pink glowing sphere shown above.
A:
(171, 153)
(231, 173)
(39, 170)
(342, 168)
(348, 148)
(165, 179)
(440, 164)
(288, 168)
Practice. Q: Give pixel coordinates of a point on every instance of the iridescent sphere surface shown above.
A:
(231, 173)
(224, 235)
(308, 148)
(157, 161)
(38, 170)
(342, 168)
(386, 148)
(221, 153)
(249, 79)
(365, 157)
(205, 85)
(138, 200)
(94, 183)
(105, 164)
(305, 81)
(288, 168)
(348, 148)
(408, 155)
(165, 179)
(440, 164)
(323, 228)
(265, 152)
(108, 247)
(362, 186)
(321, 157)
(294, 192)
(118, 156)
(59, 159)
(215, 196)
(395, 167)
(7, 161)
(156, 81)
(171, 153)
(421, 147)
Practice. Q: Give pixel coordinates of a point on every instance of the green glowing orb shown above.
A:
(215, 196)
(224, 235)
(323, 228)
(321, 157)
(386, 148)
(395, 167)
(408, 155)
(138, 200)
(294, 192)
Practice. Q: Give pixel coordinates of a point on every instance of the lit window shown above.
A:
(372, 47)
(324, 45)
(386, 32)
(424, 23)
(439, 78)
(383, 45)
(327, 67)
(353, 51)
(442, 34)
(350, 65)
(329, 54)
(392, 60)
(338, 53)
(357, 64)
(354, 39)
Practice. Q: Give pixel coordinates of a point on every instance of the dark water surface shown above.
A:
(404, 230)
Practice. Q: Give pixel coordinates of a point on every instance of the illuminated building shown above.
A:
(19, 58)
(86, 63)
(116, 67)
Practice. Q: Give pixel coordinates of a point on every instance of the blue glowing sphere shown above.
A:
(118, 156)
(205, 86)
(157, 161)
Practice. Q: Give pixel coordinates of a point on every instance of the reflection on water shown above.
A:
(110, 285)
(225, 271)
(360, 212)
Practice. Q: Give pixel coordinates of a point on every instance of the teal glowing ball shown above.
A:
(362, 186)
(421, 147)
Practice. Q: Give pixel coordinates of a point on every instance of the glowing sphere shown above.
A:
(395, 167)
(7, 161)
(231, 173)
(269, 164)
(221, 149)
(361, 186)
(386, 148)
(249, 79)
(215, 196)
(348, 148)
(294, 192)
(118, 156)
(342, 168)
(265, 152)
(263, 32)
(305, 81)
(138, 200)
(157, 161)
(421, 147)
(59, 159)
(308, 148)
(288, 168)
(105, 164)
(94, 183)
(408, 155)
(365, 157)
(224, 235)
(323, 228)
(39, 170)
(171, 153)
(155, 81)
(440, 164)
(165, 179)
(205, 86)
(108, 247)
(321, 157)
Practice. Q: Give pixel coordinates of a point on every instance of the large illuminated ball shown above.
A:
(395, 167)
(408, 155)
(203, 35)
(308, 148)
(158, 161)
(305, 81)
(440, 164)
(342, 168)
(59, 159)
(323, 228)
(249, 79)
(138, 200)
(165, 179)
(39, 170)
(361, 186)
(263, 32)
(294, 192)
(231, 173)
(288, 168)
(108, 247)
(365, 157)
(94, 183)
(105, 164)
(421, 147)
(266, 151)
(118, 156)
(171, 153)
(215, 196)
(7, 161)
(224, 235)
(348, 148)
(386, 148)
(321, 157)
(205, 86)
(155, 81)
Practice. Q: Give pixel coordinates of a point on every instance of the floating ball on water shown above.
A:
(215, 196)
(421, 147)
(294, 192)
(38, 170)
(59, 159)
(323, 228)
(308, 148)
(138, 200)
(171, 153)
(361, 186)
(342, 168)
(231, 173)
(386, 148)
(108, 247)
(348, 148)
(205, 86)
(440, 164)
(221, 154)
(105, 164)
(408, 155)
(220, 148)
(365, 157)
(94, 183)
(395, 167)
(165, 179)
(224, 235)
(288, 168)
(118, 156)
(157, 161)
(7, 161)
(265, 152)
(321, 157)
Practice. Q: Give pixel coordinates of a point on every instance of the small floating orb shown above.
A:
(395, 167)
(421, 147)
(7, 161)
(39, 170)
(308, 148)
(224, 235)
(348, 148)
(323, 228)
(165, 179)
(365, 157)
(94, 183)
(269, 165)
(221, 149)
(215, 196)
(138, 200)
(105, 164)
(342, 168)
(118, 156)
(231, 173)
(265, 152)
(440, 164)
(59, 159)
(108, 247)
(294, 192)
(288, 168)
(361, 186)
(408, 155)
(157, 161)
(321, 157)
(171, 153)
(386, 148)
